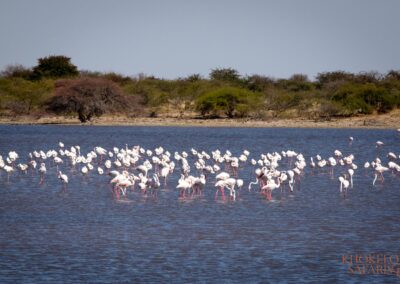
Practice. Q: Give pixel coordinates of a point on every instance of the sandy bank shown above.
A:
(386, 121)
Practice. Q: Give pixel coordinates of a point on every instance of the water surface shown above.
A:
(85, 235)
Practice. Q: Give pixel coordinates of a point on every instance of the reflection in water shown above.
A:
(83, 234)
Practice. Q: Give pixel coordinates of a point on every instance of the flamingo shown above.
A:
(259, 173)
(291, 179)
(230, 184)
(379, 170)
(8, 170)
(42, 171)
(366, 167)
(351, 173)
(222, 176)
(183, 185)
(344, 185)
(57, 161)
(84, 170)
(63, 178)
(270, 186)
(23, 167)
(312, 164)
(220, 184)
(165, 171)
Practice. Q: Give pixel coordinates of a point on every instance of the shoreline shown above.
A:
(384, 121)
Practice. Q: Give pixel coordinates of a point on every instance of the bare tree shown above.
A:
(88, 98)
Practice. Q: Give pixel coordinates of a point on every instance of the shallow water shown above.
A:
(85, 235)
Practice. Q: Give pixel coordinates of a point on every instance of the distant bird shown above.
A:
(379, 143)
(344, 185)
(183, 185)
(33, 164)
(165, 171)
(23, 167)
(84, 170)
(57, 161)
(42, 171)
(8, 170)
(222, 176)
(63, 178)
(379, 170)
(270, 186)
(351, 173)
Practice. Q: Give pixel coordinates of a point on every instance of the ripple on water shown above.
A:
(83, 235)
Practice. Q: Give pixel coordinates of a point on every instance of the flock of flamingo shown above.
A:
(148, 171)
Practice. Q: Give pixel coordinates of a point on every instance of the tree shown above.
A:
(88, 98)
(55, 66)
(225, 74)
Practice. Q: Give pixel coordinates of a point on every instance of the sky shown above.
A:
(177, 38)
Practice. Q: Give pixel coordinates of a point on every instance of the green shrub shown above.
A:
(17, 71)
(22, 96)
(225, 74)
(365, 98)
(285, 100)
(232, 102)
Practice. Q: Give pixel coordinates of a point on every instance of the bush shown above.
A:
(285, 100)
(232, 102)
(88, 98)
(16, 71)
(329, 109)
(294, 85)
(194, 77)
(368, 77)
(365, 98)
(225, 74)
(117, 78)
(258, 83)
(335, 76)
(30, 95)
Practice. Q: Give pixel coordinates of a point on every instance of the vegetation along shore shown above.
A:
(56, 92)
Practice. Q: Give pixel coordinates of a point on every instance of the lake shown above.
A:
(85, 235)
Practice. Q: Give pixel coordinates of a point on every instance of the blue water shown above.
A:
(84, 235)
